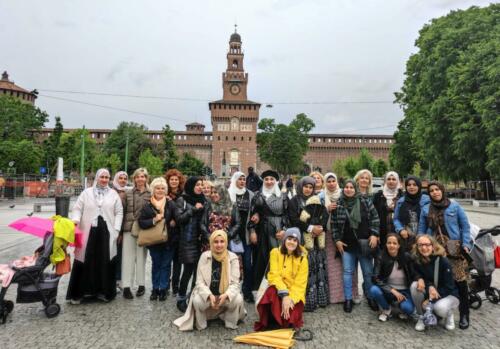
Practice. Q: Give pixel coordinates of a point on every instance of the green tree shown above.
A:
(25, 154)
(365, 160)
(283, 146)
(379, 168)
(71, 146)
(190, 166)
(18, 119)
(153, 163)
(52, 146)
(137, 142)
(170, 152)
(450, 97)
(114, 163)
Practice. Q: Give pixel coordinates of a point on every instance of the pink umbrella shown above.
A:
(40, 226)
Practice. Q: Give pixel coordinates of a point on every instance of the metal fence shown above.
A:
(36, 186)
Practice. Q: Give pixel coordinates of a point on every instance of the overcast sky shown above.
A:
(295, 52)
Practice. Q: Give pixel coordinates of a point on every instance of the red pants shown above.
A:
(270, 305)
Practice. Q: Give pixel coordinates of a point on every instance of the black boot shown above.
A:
(348, 305)
(154, 295)
(464, 321)
(140, 291)
(127, 294)
(182, 306)
(162, 295)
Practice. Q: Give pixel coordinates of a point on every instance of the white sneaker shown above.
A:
(403, 316)
(384, 315)
(75, 301)
(420, 326)
(450, 322)
(356, 300)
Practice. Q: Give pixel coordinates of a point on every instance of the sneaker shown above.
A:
(450, 322)
(140, 291)
(75, 301)
(182, 306)
(356, 301)
(102, 298)
(402, 316)
(163, 295)
(384, 315)
(420, 326)
(127, 294)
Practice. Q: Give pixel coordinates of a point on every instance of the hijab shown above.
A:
(299, 187)
(233, 189)
(411, 201)
(99, 190)
(437, 208)
(224, 206)
(117, 185)
(189, 195)
(274, 190)
(222, 258)
(353, 205)
(390, 194)
(331, 196)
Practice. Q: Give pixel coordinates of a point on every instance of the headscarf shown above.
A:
(437, 208)
(116, 184)
(222, 258)
(299, 187)
(224, 206)
(159, 204)
(390, 194)
(189, 194)
(331, 196)
(233, 189)
(274, 190)
(411, 201)
(370, 186)
(100, 191)
(353, 205)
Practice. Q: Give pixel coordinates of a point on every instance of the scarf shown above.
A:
(117, 185)
(224, 206)
(159, 204)
(100, 191)
(390, 194)
(353, 206)
(222, 258)
(189, 194)
(233, 189)
(411, 201)
(437, 208)
(274, 190)
(331, 196)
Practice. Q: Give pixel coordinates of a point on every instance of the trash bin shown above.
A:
(62, 206)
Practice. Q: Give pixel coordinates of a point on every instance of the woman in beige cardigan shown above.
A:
(217, 291)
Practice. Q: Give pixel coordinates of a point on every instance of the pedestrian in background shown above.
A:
(253, 182)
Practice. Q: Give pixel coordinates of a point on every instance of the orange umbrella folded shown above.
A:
(280, 339)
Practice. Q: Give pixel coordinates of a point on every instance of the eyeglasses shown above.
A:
(419, 245)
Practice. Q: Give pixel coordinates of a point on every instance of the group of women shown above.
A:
(290, 255)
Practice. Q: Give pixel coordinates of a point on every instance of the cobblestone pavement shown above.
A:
(143, 324)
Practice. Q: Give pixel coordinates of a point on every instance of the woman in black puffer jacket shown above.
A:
(192, 217)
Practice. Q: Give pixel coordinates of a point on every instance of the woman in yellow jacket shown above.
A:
(282, 303)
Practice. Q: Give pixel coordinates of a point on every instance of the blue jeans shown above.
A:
(161, 257)
(350, 264)
(384, 299)
(247, 269)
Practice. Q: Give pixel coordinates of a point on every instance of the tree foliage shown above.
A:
(283, 146)
(71, 150)
(190, 166)
(153, 163)
(169, 150)
(24, 153)
(18, 119)
(52, 146)
(450, 97)
(347, 168)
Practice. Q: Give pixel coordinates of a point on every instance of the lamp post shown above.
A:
(82, 156)
(126, 152)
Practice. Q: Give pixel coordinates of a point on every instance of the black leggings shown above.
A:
(187, 272)
(463, 296)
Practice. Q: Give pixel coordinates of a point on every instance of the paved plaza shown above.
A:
(143, 324)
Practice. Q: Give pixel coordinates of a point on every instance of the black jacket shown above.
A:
(148, 212)
(235, 226)
(295, 207)
(386, 222)
(193, 229)
(446, 284)
(383, 269)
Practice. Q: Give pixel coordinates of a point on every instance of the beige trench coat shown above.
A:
(231, 313)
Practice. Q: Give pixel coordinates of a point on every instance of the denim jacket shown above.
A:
(398, 225)
(455, 220)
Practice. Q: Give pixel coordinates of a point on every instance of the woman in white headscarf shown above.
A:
(98, 212)
(242, 198)
(268, 220)
(385, 202)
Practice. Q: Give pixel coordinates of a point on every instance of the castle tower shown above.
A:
(234, 118)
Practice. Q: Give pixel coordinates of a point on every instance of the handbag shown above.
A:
(135, 229)
(64, 266)
(236, 246)
(155, 235)
(497, 257)
(453, 247)
(366, 249)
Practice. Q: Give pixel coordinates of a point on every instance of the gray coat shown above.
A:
(133, 205)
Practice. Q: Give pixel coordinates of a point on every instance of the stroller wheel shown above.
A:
(475, 301)
(9, 306)
(52, 310)
(493, 294)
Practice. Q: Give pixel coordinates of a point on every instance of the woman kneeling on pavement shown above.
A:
(281, 305)
(217, 290)
(392, 277)
(435, 290)
(158, 210)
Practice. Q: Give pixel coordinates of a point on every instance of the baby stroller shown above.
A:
(33, 284)
(483, 266)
